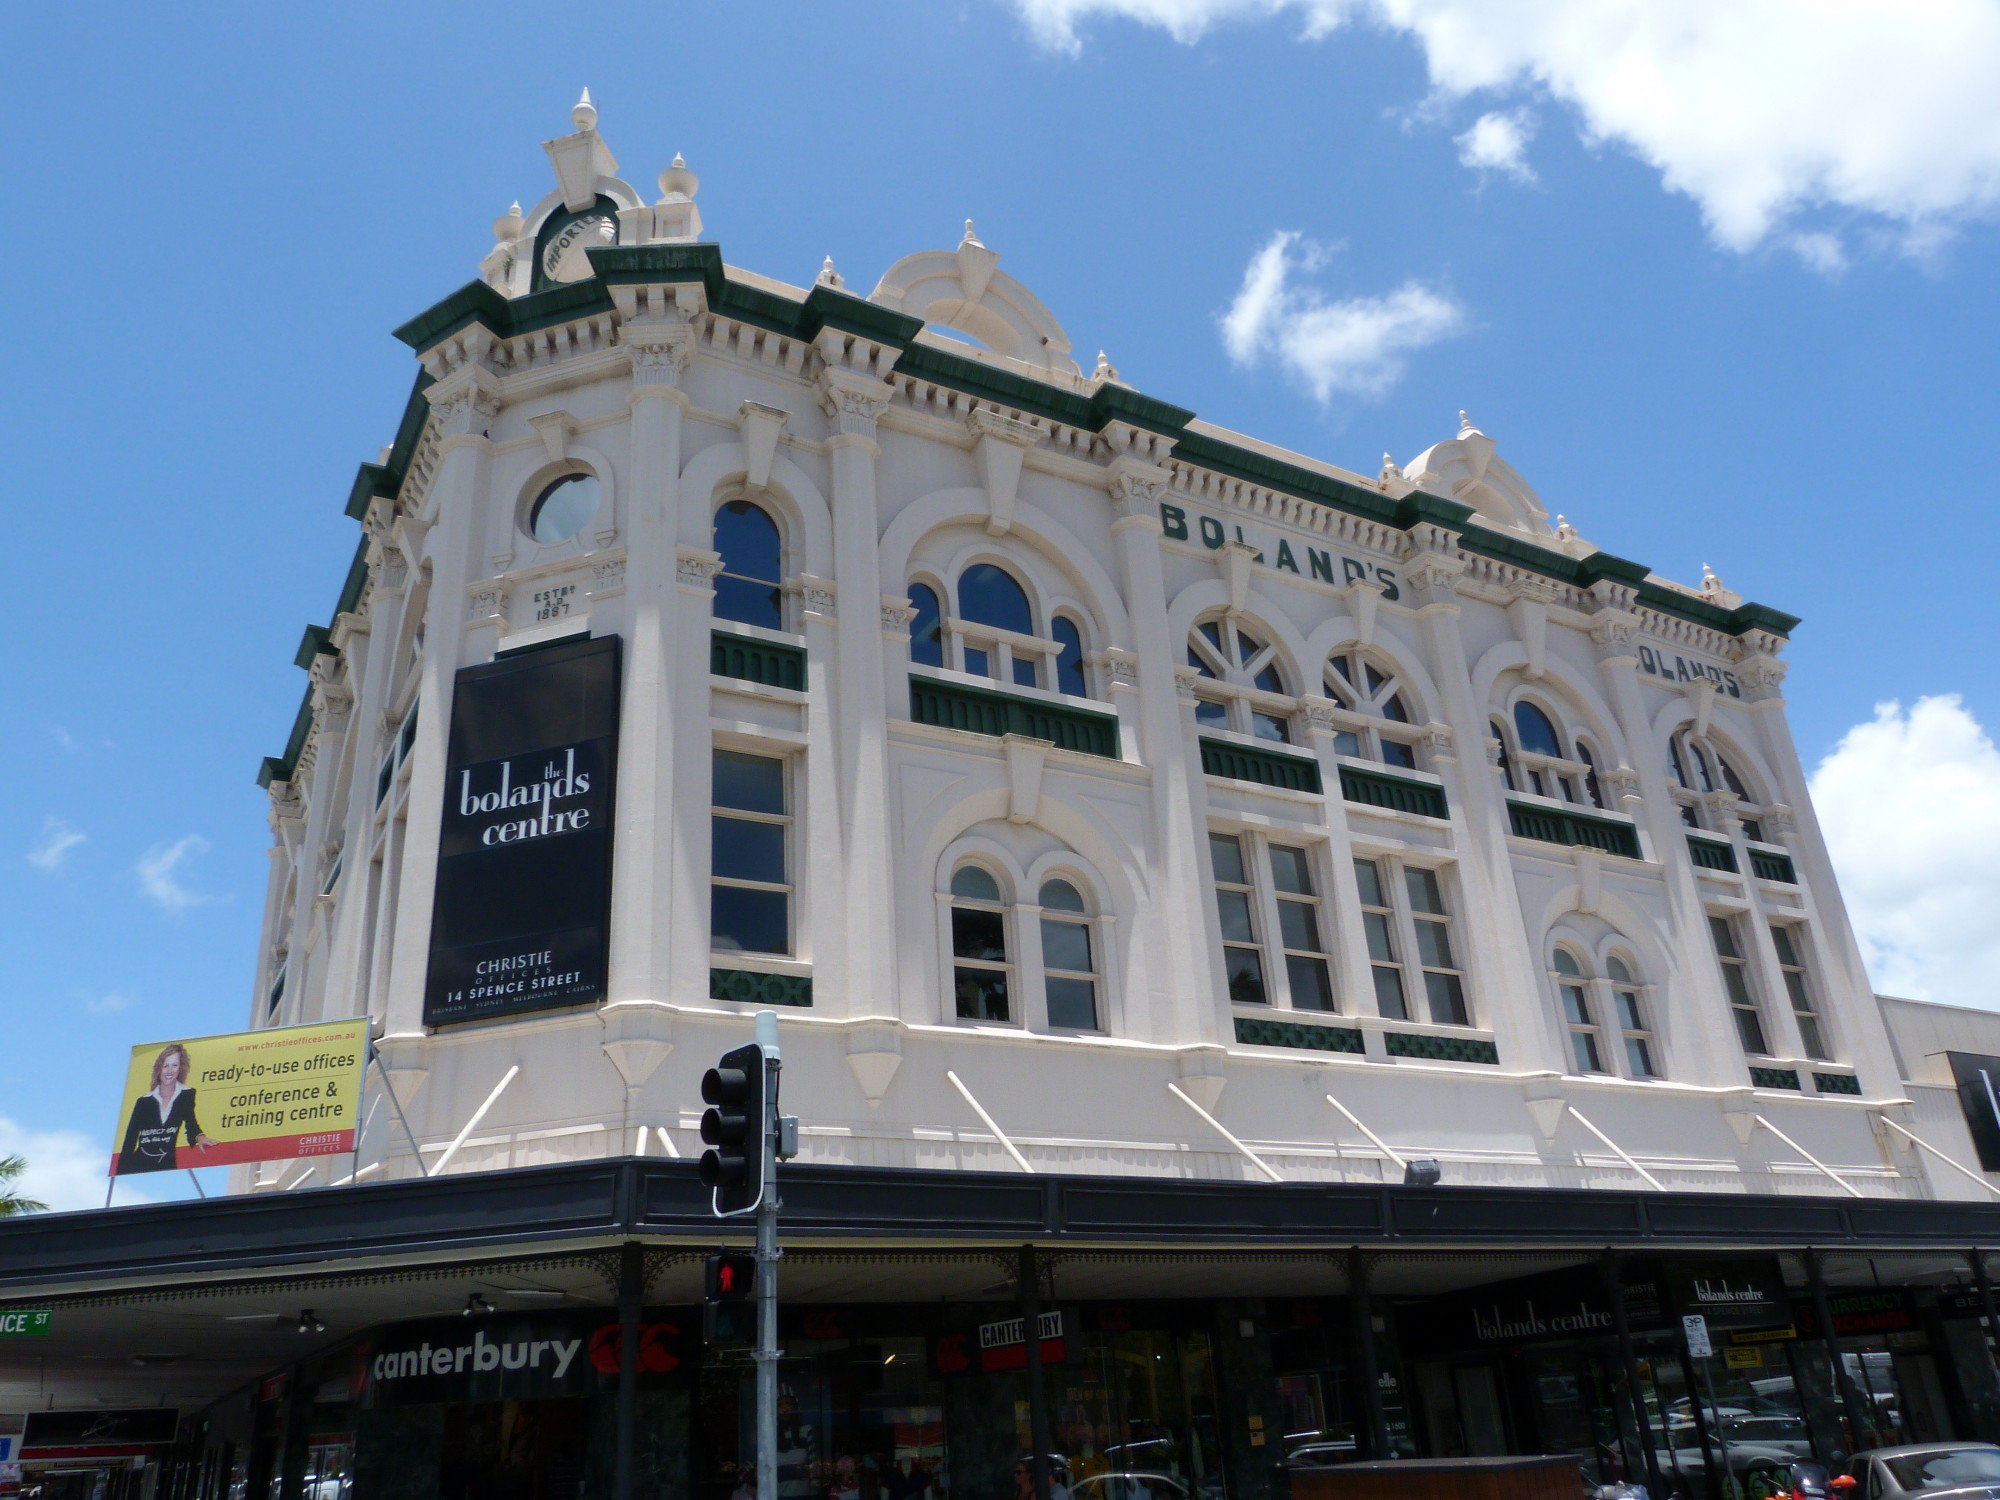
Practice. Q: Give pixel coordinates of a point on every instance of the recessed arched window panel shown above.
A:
(1631, 1018)
(1701, 769)
(1577, 1014)
(1068, 961)
(1590, 777)
(1361, 687)
(1506, 765)
(1729, 777)
(747, 589)
(1069, 665)
(926, 627)
(1226, 651)
(992, 596)
(1537, 734)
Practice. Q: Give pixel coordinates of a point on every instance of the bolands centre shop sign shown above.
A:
(521, 919)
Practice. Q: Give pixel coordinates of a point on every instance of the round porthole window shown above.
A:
(564, 509)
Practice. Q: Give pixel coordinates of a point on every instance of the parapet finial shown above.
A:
(584, 115)
(828, 276)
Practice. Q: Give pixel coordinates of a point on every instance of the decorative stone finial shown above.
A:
(1105, 369)
(508, 225)
(584, 116)
(1465, 427)
(828, 276)
(970, 237)
(1710, 584)
(677, 183)
(1390, 469)
(1564, 531)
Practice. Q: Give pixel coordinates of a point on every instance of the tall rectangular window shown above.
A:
(750, 893)
(1378, 920)
(1242, 963)
(1736, 980)
(1442, 984)
(1306, 968)
(1794, 970)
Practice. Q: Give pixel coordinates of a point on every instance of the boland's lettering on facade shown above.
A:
(524, 857)
(1320, 564)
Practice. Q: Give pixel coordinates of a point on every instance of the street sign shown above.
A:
(24, 1323)
(1695, 1326)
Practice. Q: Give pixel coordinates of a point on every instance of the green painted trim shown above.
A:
(980, 711)
(1837, 1083)
(1547, 826)
(1291, 773)
(357, 579)
(1254, 1031)
(1397, 793)
(280, 767)
(1712, 854)
(1775, 1078)
(750, 660)
(314, 644)
(1440, 1048)
(1778, 867)
(753, 987)
(825, 307)
(828, 307)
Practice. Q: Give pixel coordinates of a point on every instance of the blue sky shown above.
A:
(1716, 310)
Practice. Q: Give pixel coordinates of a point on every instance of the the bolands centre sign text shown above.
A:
(524, 857)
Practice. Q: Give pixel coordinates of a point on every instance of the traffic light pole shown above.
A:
(767, 1269)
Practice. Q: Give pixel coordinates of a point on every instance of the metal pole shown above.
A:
(631, 1293)
(1991, 1319)
(1700, 1422)
(1614, 1289)
(1721, 1436)
(1363, 1319)
(389, 1088)
(1850, 1398)
(767, 1281)
(1038, 1397)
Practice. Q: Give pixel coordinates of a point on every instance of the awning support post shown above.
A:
(631, 1294)
(1038, 1396)
(1614, 1291)
(1362, 1313)
(1850, 1398)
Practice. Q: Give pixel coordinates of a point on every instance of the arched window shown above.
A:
(1631, 1019)
(1361, 688)
(991, 633)
(748, 588)
(1506, 765)
(988, 595)
(1699, 767)
(563, 508)
(926, 626)
(1068, 967)
(1590, 776)
(1577, 1013)
(1069, 665)
(1538, 735)
(1542, 763)
(980, 968)
(1241, 666)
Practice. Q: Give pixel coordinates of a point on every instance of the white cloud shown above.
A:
(66, 1168)
(1755, 109)
(1821, 252)
(1498, 142)
(1910, 805)
(104, 1005)
(58, 838)
(1356, 346)
(159, 873)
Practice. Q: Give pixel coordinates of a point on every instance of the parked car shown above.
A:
(1937, 1471)
(1129, 1487)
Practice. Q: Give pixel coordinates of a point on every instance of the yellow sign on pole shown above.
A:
(212, 1101)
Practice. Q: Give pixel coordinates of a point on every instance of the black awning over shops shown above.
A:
(1275, 1326)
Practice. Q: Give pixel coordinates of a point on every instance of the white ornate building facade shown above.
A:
(1090, 789)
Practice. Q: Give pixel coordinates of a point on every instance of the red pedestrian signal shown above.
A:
(731, 1276)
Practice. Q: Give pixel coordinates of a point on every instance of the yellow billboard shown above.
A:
(211, 1101)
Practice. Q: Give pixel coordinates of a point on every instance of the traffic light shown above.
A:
(733, 1128)
(730, 1276)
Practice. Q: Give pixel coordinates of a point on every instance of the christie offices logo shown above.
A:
(558, 781)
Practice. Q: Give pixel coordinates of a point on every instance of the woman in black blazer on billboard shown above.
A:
(159, 1117)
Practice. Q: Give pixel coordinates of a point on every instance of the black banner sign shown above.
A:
(1743, 1292)
(522, 916)
(1978, 1080)
(516, 1356)
(1549, 1306)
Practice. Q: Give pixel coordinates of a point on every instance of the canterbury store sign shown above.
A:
(515, 1356)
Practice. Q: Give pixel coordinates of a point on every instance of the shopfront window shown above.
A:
(1137, 1419)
